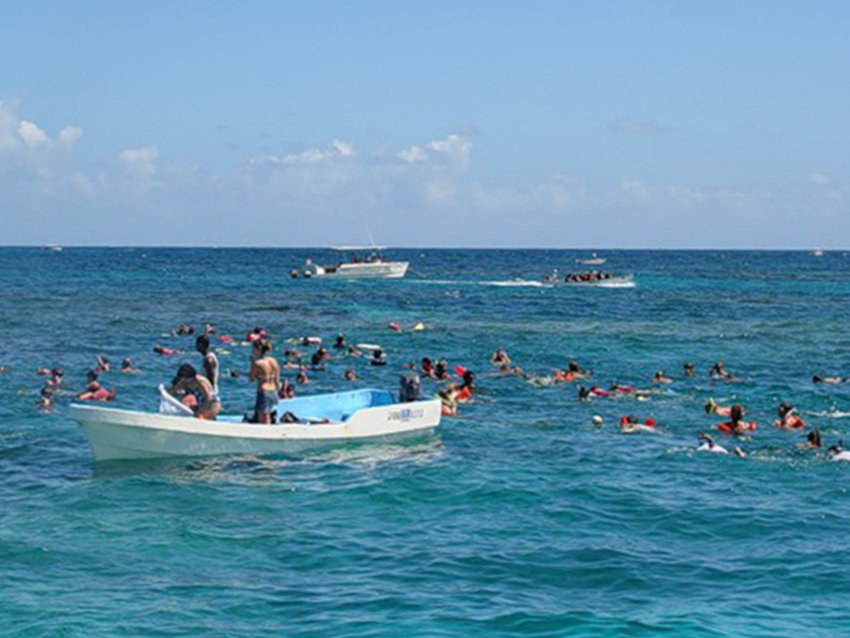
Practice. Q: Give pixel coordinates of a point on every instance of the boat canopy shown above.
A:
(358, 248)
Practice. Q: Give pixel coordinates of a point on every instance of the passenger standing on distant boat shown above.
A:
(266, 372)
(211, 367)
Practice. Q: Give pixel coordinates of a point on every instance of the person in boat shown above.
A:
(353, 351)
(718, 371)
(378, 358)
(266, 372)
(711, 407)
(96, 392)
(166, 352)
(339, 344)
(196, 392)
(500, 357)
(689, 370)
(211, 367)
(128, 367)
(350, 375)
(819, 379)
(788, 418)
(302, 377)
(661, 378)
(736, 424)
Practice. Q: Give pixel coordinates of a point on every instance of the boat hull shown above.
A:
(123, 434)
(375, 270)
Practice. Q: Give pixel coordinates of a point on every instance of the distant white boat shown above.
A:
(323, 421)
(373, 266)
(54, 247)
(817, 252)
(592, 261)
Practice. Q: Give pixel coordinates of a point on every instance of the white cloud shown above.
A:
(455, 147)
(336, 149)
(139, 162)
(31, 135)
(819, 179)
(413, 155)
(70, 134)
(342, 148)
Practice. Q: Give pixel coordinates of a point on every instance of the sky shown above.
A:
(563, 124)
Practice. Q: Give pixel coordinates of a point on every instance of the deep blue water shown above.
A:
(517, 519)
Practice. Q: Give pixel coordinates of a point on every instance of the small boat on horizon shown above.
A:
(593, 260)
(315, 422)
(817, 252)
(56, 248)
(373, 266)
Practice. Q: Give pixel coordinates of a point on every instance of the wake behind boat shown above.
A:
(372, 267)
(315, 422)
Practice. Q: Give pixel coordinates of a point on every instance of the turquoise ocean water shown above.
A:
(517, 519)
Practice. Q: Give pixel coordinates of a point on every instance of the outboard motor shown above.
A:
(410, 387)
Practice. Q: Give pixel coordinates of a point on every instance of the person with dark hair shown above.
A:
(467, 387)
(427, 368)
(211, 367)
(689, 370)
(788, 418)
(196, 392)
(128, 367)
(266, 372)
(378, 358)
(339, 344)
(736, 423)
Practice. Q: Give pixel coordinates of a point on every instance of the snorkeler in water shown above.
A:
(788, 418)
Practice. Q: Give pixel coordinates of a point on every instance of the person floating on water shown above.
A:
(711, 407)
(128, 367)
(736, 424)
(339, 344)
(813, 440)
(819, 379)
(287, 390)
(788, 418)
(661, 378)
(378, 358)
(707, 444)
(441, 371)
(689, 370)
(426, 368)
(302, 377)
(353, 351)
(96, 392)
(211, 367)
(185, 330)
(166, 352)
(500, 357)
(718, 371)
(195, 392)
(266, 372)
(350, 375)
(319, 357)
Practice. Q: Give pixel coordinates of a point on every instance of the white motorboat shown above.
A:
(371, 267)
(592, 261)
(316, 422)
(56, 248)
(817, 252)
